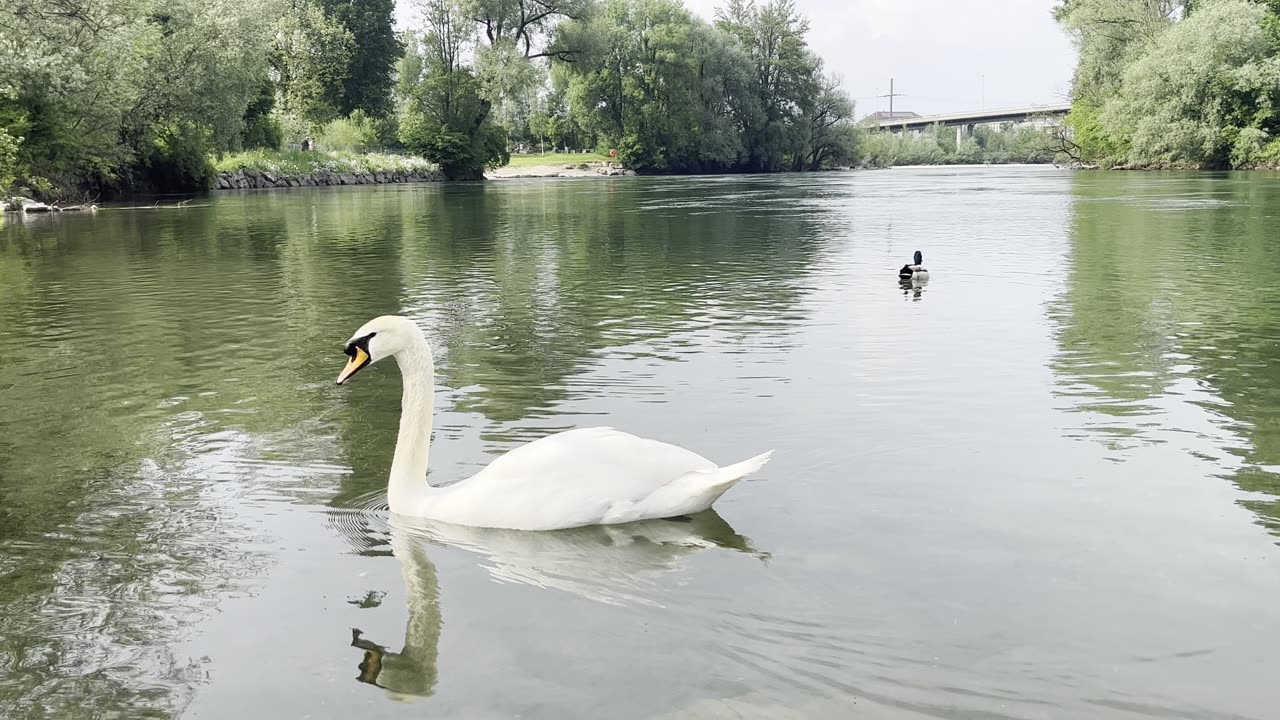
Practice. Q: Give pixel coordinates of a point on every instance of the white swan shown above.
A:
(589, 476)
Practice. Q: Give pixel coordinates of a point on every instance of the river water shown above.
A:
(1043, 485)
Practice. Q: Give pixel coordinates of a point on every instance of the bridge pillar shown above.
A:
(959, 135)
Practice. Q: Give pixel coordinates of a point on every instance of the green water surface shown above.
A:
(1043, 485)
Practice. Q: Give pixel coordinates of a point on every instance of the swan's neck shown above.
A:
(409, 468)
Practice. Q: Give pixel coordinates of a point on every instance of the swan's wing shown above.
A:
(570, 478)
(618, 464)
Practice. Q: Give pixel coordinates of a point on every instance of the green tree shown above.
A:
(368, 80)
(1171, 83)
(261, 127)
(674, 94)
(8, 159)
(312, 56)
(828, 135)
(1205, 94)
(657, 84)
(445, 117)
(512, 83)
(55, 60)
(119, 94)
(1108, 34)
(565, 128)
(784, 80)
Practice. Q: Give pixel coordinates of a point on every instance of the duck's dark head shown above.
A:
(919, 257)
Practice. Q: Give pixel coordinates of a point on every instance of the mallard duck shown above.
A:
(914, 271)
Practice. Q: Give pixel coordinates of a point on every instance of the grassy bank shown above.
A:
(535, 160)
(296, 162)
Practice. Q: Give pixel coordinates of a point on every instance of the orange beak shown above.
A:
(354, 363)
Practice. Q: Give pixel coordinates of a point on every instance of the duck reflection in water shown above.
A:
(613, 564)
(911, 288)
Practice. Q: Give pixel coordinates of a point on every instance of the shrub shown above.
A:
(356, 133)
(8, 159)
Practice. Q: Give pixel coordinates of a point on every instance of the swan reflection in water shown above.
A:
(614, 564)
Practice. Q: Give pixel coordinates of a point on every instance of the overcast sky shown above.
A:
(941, 53)
(944, 55)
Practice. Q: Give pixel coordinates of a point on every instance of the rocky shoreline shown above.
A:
(552, 170)
(246, 179)
(18, 204)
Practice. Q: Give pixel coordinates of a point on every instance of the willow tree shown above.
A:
(118, 94)
(311, 58)
(658, 84)
(1222, 105)
(1172, 83)
(444, 116)
(785, 78)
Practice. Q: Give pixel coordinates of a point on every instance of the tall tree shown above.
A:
(312, 58)
(827, 134)
(1107, 34)
(785, 70)
(674, 94)
(512, 48)
(369, 77)
(1222, 105)
(445, 117)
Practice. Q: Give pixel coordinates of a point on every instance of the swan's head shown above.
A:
(380, 338)
(919, 257)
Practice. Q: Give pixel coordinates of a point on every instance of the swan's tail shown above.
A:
(696, 491)
(730, 474)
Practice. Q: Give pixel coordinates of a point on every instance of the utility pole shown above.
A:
(891, 96)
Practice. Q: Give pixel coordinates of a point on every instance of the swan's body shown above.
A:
(590, 476)
(582, 477)
(915, 271)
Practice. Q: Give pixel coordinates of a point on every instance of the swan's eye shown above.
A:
(358, 352)
(361, 343)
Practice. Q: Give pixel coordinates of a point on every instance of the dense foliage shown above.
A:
(296, 162)
(123, 92)
(937, 146)
(1175, 83)
(126, 95)
(367, 78)
(445, 116)
(673, 93)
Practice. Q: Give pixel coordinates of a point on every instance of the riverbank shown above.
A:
(246, 179)
(958, 166)
(582, 169)
(261, 169)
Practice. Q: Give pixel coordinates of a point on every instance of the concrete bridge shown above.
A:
(964, 122)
